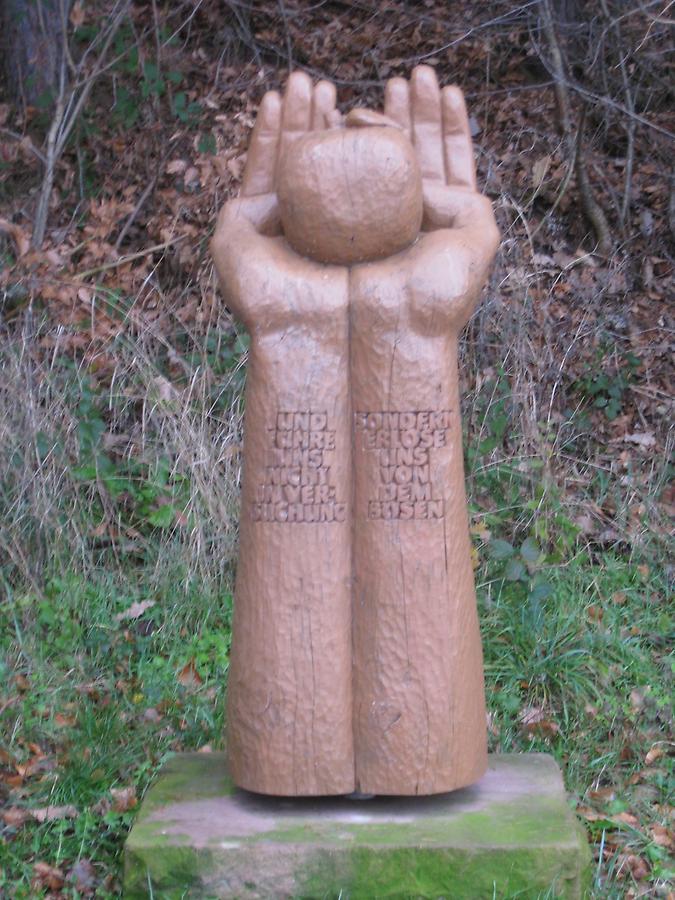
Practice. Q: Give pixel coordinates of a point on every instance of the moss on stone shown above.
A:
(527, 846)
(368, 873)
(195, 771)
(539, 822)
(164, 871)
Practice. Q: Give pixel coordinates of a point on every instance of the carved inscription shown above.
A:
(403, 443)
(297, 485)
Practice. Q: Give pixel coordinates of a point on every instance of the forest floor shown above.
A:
(121, 406)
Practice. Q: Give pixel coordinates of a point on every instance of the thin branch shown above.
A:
(132, 256)
(592, 209)
(68, 124)
(68, 108)
(595, 214)
(630, 105)
(52, 154)
(27, 143)
(141, 200)
(599, 98)
(287, 35)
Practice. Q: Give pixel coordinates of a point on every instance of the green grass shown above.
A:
(576, 634)
(103, 700)
(103, 676)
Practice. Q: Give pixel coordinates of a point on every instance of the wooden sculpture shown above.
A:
(354, 257)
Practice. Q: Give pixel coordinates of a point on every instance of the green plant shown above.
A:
(605, 389)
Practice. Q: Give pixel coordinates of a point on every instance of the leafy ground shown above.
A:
(120, 412)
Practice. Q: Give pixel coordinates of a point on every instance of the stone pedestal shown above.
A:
(512, 834)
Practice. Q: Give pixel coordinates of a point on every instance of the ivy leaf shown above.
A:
(515, 570)
(500, 549)
(163, 517)
(530, 551)
(540, 591)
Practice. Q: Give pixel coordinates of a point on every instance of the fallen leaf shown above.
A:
(535, 719)
(591, 815)
(36, 765)
(480, 530)
(77, 14)
(637, 701)
(15, 816)
(62, 721)
(629, 862)
(642, 439)
(53, 813)
(124, 799)
(655, 753)
(21, 683)
(662, 836)
(191, 177)
(188, 676)
(595, 612)
(6, 759)
(47, 877)
(17, 234)
(83, 876)
(135, 610)
(12, 781)
(102, 806)
(626, 818)
(539, 170)
(235, 166)
(176, 167)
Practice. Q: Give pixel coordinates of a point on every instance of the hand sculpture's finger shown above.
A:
(361, 117)
(397, 102)
(465, 212)
(262, 152)
(239, 244)
(425, 102)
(323, 105)
(296, 114)
(458, 146)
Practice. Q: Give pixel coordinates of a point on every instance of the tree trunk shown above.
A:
(31, 41)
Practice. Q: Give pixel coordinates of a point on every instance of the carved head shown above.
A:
(352, 194)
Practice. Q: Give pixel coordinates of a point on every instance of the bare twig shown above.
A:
(69, 104)
(76, 103)
(287, 35)
(26, 142)
(132, 256)
(592, 210)
(51, 157)
(575, 149)
(630, 106)
(141, 200)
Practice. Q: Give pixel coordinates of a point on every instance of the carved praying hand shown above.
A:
(247, 249)
(444, 271)
(419, 715)
(289, 685)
